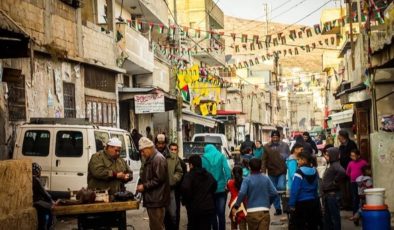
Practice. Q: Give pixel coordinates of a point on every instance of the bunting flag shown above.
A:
(252, 46)
(237, 48)
(233, 35)
(256, 61)
(160, 28)
(244, 38)
(197, 33)
(308, 32)
(151, 26)
(296, 51)
(292, 35)
(275, 41)
(317, 29)
(259, 45)
(283, 40)
(300, 34)
(332, 40)
(256, 39)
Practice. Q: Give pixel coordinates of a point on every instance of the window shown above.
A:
(69, 100)
(121, 138)
(99, 79)
(36, 143)
(16, 94)
(101, 111)
(101, 139)
(69, 144)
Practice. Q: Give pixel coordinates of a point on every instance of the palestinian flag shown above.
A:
(185, 93)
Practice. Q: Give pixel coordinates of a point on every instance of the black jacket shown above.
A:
(155, 180)
(334, 173)
(247, 144)
(345, 152)
(198, 189)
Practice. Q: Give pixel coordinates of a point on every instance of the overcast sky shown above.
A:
(283, 11)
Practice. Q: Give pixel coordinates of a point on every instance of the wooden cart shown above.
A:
(98, 215)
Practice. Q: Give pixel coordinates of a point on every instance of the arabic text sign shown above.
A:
(149, 103)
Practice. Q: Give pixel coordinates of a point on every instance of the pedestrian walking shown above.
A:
(198, 190)
(161, 144)
(304, 200)
(257, 191)
(345, 148)
(233, 186)
(216, 164)
(291, 163)
(274, 162)
(148, 133)
(247, 144)
(175, 173)
(353, 171)
(332, 177)
(308, 139)
(154, 184)
(258, 151)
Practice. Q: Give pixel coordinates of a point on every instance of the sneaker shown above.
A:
(278, 212)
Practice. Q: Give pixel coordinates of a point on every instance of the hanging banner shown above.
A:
(149, 103)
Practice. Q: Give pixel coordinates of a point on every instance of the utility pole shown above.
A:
(178, 91)
(351, 31)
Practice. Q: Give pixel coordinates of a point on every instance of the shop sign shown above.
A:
(149, 103)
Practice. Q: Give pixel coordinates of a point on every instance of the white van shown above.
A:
(63, 148)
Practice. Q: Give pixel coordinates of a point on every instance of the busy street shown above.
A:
(196, 114)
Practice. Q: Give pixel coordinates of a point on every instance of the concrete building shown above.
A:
(64, 60)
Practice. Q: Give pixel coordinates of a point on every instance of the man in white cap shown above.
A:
(107, 170)
(154, 183)
(161, 144)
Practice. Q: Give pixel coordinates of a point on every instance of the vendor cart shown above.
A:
(98, 215)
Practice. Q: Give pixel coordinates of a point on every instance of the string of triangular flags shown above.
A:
(326, 42)
(261, 58)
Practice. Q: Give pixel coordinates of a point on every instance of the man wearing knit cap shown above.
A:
(161, 144)
(107, 170)
(154, 183)
(274, 161)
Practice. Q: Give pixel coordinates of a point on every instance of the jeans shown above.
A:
(280, 185)
(219, 220)
(332, 217)
(355, 197)
(170, 220)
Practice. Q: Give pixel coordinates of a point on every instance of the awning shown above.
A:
(199, 119)
(14, 40)
(227, 112)
(342, 117)
(127, 94)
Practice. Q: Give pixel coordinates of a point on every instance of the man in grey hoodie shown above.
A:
(332, 178)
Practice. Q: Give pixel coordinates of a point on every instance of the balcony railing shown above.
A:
(137, 50)
(215, 13)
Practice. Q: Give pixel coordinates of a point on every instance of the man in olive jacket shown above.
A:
(175, 173)
(107, 170)
(154, 184)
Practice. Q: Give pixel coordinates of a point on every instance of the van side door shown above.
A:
(70, 161)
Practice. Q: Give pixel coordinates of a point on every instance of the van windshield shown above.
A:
(101, 138)
(210, 139)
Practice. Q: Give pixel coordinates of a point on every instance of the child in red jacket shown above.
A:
(233, 186)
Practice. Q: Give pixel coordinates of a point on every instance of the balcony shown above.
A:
(216, 15)
(216, 57)
(155, 11)
(140, 59)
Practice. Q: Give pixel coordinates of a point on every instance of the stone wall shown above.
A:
(98, 45)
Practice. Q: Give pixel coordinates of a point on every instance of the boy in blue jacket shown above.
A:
(259, 192)
(304, 199)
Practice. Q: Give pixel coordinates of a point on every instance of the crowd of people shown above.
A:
(267, 175)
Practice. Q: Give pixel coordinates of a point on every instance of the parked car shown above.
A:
(218, 139)
(63, 148)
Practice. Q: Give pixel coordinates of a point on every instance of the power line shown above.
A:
(302, 18)
(291, 8)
